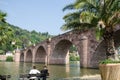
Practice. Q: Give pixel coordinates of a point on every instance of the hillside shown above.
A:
(23, 38)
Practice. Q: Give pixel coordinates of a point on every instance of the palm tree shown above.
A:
(103, 15)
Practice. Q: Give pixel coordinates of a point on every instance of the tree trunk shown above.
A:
(111, 51)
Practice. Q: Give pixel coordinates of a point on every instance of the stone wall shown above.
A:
(2, 57)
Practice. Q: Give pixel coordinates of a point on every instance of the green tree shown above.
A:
(103, 15)
(5, 31)
(73, 58)
(73, 49)
(2, 16)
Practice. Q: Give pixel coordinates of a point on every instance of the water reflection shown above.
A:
(56, 71)
(9, 68)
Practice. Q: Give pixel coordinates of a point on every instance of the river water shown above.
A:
(57, 72)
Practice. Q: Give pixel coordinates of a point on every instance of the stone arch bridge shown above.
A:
(56, 49)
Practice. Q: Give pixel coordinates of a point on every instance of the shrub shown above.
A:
(78, 58)
(9, 58)
(106, 61)
(72, 58)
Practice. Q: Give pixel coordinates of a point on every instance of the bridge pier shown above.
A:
(33, 59)
(17, 56)
(48, 51)
(84, 52)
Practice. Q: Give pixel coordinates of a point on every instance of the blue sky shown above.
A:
(38, 15)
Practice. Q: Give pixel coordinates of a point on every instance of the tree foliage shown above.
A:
(74, 57)
(24, 38)
(6, 33)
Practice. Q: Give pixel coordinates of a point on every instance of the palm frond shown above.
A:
(69, 7)
(79, 4)
(114, 19)
(71, 16)
(2, 16)
(90, 12)
(87, 17)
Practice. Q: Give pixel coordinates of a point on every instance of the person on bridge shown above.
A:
(44, 73)
(34, 72)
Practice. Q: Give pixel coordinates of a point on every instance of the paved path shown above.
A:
(87, 77)
(91, 77)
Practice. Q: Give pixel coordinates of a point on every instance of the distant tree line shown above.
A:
(24, 38)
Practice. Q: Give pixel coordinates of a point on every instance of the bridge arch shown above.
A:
(29, 56)
(117, 38)
(60, 54)
(40, 55)
(22, 57)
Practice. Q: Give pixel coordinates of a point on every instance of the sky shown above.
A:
(39, 15)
